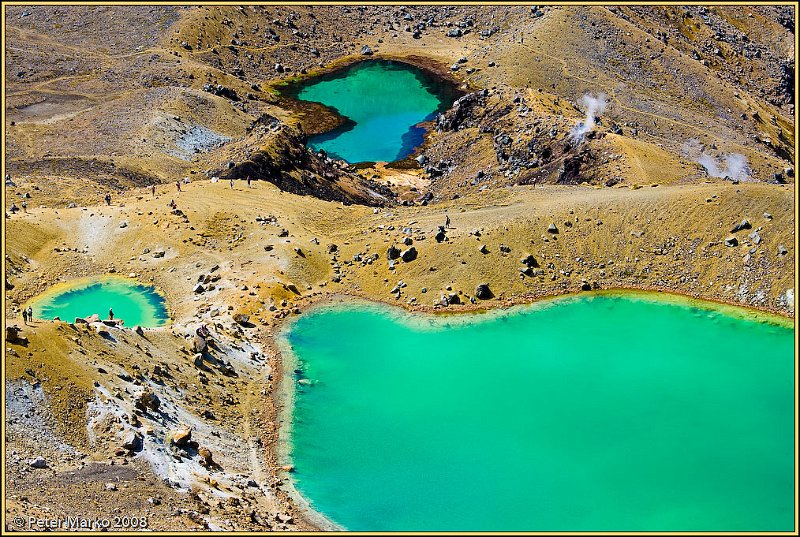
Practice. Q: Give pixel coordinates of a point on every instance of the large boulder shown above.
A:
(12, 334)
(199, 344)
(242, 319)
(206, 458)
(409, 255)
(133, 441)
(744, 224)
(181, 437)
(393, 252)
(366, 50)
(483, 292)
(147, 400)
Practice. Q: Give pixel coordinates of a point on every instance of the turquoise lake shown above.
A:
(588, 413)
(135, 303)
(383, 103)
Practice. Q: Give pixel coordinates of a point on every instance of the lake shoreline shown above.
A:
(279, 408)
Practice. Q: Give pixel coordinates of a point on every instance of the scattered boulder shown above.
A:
(483, 292)
(731, 241)
(197, 289)
(133, 442)
(409, 255)
(138, 329)
(181, 437)
(552, 229)
(241, 318)
(12, 335)
(782, 249)
(366, 50)
(744, 224)
(440, 236)
(199, 344)
(222, 91)
(393, 252)
(483, 249)
(38, 462)
(147, 401)
(206, 458)
(529, 261)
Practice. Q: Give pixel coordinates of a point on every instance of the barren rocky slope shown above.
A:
(103, 99)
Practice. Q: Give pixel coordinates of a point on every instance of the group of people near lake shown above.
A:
(27, 315)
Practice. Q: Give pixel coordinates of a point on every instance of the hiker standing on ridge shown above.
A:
(25, 316)
(178, 184)
(153, 189)
(108, 199)
(30, 314)
(248, 181)
(110, 314)
(231, 183)
(447, 221)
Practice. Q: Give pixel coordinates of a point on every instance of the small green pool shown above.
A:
(133, 302)
(383, 103)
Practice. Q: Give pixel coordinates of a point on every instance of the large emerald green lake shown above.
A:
(589, 413)
(133, 302)
(382, 102)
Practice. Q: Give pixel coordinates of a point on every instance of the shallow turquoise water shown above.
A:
(602, 413)
(131, 301)
(383, 101)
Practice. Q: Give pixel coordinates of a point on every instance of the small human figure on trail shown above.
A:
(447, 220)
(172, 204)
(30, 314)
(153, 189)
(25, 316)
(178, 184)
(231, 182)
(108, 199)
(248, 181)
(110, 314)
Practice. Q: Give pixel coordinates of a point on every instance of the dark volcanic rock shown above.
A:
(744, 224)
(483, 292)
(409, 255)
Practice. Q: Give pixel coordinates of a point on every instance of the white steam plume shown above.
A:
(594, 106)
(735, 164)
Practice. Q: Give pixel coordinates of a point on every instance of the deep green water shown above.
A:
(131, 301)
(383, 101)
(591, 413)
